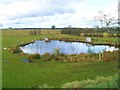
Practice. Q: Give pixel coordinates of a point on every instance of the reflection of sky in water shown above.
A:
(42, 47)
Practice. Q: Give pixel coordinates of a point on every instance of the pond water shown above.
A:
(42, 47)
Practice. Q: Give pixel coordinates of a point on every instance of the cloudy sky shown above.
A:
(61, 13)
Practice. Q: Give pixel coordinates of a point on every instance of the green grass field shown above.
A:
(18, 74)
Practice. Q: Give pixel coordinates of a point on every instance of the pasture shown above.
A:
(54, 74)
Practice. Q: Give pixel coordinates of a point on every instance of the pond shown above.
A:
(42, 47)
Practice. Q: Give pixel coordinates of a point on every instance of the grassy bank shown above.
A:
(18, 74)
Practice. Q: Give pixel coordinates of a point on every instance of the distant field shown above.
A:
(18, 74)
(28, 32)
(15, 32)
(56, 34)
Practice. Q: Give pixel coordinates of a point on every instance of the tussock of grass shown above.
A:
(99, 82)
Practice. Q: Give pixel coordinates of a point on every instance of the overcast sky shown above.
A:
(61, 13)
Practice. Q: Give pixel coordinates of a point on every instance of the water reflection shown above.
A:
(41, 47)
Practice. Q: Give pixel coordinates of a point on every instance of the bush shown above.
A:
(47, 57)
(52, 57)
(46, 54)
(57, 51)
(33, 57)
(105, 34)
(15, 49)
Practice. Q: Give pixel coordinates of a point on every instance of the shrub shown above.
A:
(51, 57)
(62, 54)
(57, 51)
(47, 58)
(15, 49)
(105, 34)
(33, 57)
(56, 57)
(46, 54)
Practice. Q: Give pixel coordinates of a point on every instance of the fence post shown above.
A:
(102, 54)
(99, 55)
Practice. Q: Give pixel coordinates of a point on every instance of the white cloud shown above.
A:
(21, 8)
(44, 13)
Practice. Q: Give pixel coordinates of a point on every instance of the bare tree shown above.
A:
(119, 13)
(109, 20)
